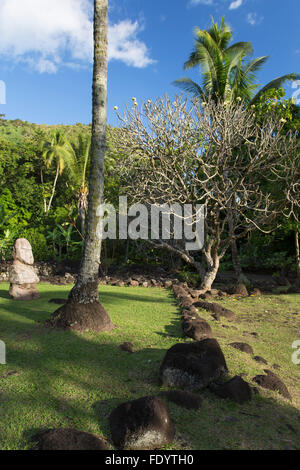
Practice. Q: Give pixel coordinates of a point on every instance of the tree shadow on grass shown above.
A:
(125, 377)
(115, 297)
(172, 330)
(75, 380)
(40, 309)
(4, 294)
(111, 297)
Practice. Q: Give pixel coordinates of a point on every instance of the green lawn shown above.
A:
(66, 379)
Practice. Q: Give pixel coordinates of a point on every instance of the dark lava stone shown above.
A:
(142, 424)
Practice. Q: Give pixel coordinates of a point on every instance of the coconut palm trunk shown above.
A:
(83, 310)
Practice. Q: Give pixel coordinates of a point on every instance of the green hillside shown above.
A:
(16, 130)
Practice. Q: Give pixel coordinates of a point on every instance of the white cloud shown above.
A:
(49, 34)
(124, 45)
(254, 19)
(236, 4)
(233, 4)
(201, 2)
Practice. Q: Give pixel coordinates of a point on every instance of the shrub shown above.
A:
(40, 246)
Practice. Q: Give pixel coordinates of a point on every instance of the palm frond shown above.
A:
(276, 83)
(255, 64)
(189, 86)
(206, 51)
(238, 48)
(221, 35)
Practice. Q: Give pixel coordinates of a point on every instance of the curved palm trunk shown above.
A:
(83, 310)
(44, 199)
(53, 189)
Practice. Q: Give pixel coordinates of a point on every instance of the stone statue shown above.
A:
(22, 276)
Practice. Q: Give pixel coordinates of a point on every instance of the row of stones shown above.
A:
(145, 423)
(198, 328)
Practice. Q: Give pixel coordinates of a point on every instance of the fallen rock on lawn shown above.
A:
(214, 292)
(67, 439)
(271, 381)
(216, 309)
(70, 279)
(178, 290)
(188, 400)
(127, 347)
(256, 292)
(194, 365)
(142, 424)
(187, 313)
(186, 302)
(194, 293)
(206, 296)
(168, 284)
(222, 293)
(236, 389)
(239, 289)
(244, 347)
(260, 359)
(196, 328)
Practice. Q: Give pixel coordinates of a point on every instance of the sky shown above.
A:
(46, 50)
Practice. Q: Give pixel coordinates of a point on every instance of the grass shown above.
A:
(67, 379)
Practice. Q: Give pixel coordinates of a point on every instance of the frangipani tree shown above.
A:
(213, 154)
(229, 73)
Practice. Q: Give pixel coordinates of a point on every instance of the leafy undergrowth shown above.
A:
(66, 379)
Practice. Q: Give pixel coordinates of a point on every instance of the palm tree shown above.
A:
(79, 175)
(57, 149)
(227, 71)
(83, 310)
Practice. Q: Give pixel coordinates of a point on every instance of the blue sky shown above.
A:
(46, 50)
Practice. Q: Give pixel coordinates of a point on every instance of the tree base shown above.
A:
(81, 317)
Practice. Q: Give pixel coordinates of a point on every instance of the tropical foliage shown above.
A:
(44, 169)
(228, 70)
